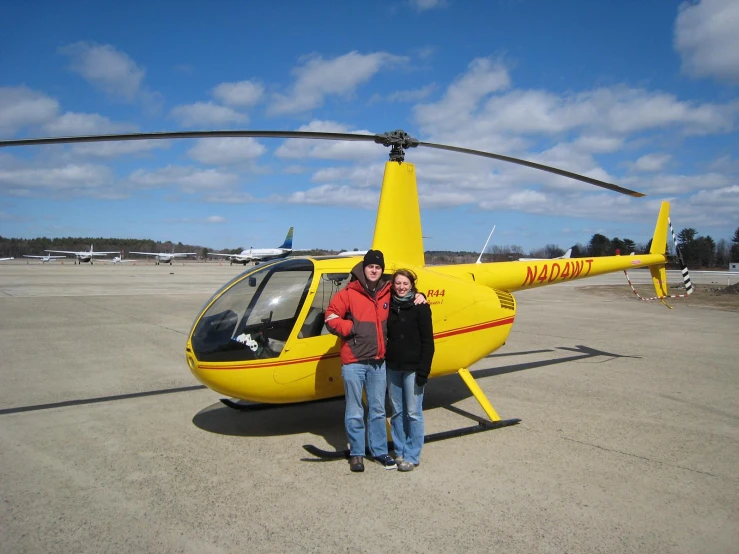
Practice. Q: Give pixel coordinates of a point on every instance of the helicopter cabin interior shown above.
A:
(256, 314)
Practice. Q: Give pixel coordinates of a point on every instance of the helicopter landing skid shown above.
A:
(482, 425)
(244, 406)
(443, 435)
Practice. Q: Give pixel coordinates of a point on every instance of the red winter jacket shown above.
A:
(360, 319)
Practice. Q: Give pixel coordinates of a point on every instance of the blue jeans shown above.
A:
(406, 421)
(371, 377)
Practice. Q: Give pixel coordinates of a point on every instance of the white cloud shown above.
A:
(619, 110)
(423, 5)
(445, 199)
(215, 219)
(655, 161)
(720, 205)
(117, 148)
(190, 180)
(329, 149)
(241, 94)
(295, 169)
(565, 130)
(603, 207)
(60, 182)
(317, 78)
(360, 176)
(725, 164)
(226, 150)
(678, 184)
(531, 201)
(106, 68)
(413, 95)
(21, 107)
(483, 77)
(206, 113)
(708, 208)
(73, 124)
(230, 197)
(598, 144)
(333, 195)
(77, 124)
(476, 109)
(707, 39)
(632, 110)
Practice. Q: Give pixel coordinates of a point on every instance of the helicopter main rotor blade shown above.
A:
(190, 134)
(398, 140)
(548, 169)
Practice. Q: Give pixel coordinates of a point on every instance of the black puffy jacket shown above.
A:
(410, 338)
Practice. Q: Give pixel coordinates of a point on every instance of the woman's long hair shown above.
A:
(407, 273)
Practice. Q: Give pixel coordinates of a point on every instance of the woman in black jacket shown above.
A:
(410, 349)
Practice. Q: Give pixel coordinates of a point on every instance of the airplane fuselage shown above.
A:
(260, 255)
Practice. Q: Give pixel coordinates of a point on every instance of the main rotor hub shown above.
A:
(399, 141)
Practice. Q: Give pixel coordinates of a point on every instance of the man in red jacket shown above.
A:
(358, 314)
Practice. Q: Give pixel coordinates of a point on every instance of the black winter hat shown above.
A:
(374, 257)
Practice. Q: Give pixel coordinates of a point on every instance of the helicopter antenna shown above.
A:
(479, 260)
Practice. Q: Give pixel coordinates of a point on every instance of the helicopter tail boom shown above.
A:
(522, 275)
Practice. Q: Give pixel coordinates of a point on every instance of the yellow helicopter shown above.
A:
(261, 338)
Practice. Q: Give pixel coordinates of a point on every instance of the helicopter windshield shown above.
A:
(252, 319)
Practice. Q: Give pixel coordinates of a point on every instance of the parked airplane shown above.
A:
(352, 253)
(81, 256)
(261, 254)
(44, 259)
(6, 259)
(164, 256)
(567, 254)
(120, 260)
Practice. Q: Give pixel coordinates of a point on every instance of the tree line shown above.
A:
(696, 250)
(17, 247)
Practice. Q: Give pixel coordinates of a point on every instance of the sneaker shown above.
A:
(398, 459)
(405, 466)
(386, 461)
(356, 464)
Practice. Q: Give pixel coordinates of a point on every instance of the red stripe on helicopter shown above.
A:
(472, 328)
(445, 334)
(251, 365)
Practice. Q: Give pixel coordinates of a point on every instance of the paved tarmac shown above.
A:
(629, 437)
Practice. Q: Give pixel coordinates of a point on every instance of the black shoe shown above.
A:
(356, 464)
(386, 461)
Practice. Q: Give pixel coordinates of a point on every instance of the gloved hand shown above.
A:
(421, 380)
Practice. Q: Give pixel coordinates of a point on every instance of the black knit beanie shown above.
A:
(374, 257)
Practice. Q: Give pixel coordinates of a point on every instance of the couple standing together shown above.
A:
(387, 345)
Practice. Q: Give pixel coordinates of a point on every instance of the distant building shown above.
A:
(734, 267)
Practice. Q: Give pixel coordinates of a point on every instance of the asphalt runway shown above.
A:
(629, 437)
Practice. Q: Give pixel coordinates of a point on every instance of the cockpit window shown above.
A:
(330, 284)
(253, 318)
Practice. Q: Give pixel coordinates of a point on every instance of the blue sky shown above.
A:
(643, 94)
